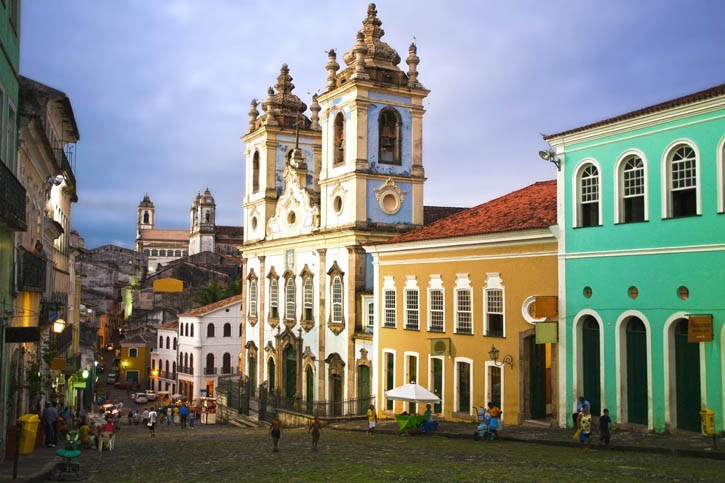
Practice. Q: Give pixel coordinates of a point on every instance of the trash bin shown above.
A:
(707, 422)
(28, 433)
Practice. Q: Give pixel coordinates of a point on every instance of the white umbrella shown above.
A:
(177, 396)
(412, 393)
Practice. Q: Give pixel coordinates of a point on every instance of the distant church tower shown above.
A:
(146, 215)
(202, 224)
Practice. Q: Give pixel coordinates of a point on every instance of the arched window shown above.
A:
(226, 363)
(273, 298)
(191, 362)
(289, 296)
(177, 253)
(682, 182)
(174, 343)
(632, 190)
(173, 370)
(209, 364)
(253, 298)
(339, 139)
(133, 352)
(168, 340)
(227, 330)
(389, 136)
(146, 217)
(167, 369)
(186, 359)
(337, 299)
(588, 193)
(240, 330)
(154, 253)
(161, 342)
(210, 330)
(308, 298)
(255, 172)
(192, 330)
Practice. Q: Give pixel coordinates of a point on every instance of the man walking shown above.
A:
(50, 416)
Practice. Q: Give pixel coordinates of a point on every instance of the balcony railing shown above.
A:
(228, 370)
(12, 200)
(210, 370)
(185, 370)
(32, 274)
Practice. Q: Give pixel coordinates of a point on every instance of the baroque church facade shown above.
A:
(204, 235)
(317, 189)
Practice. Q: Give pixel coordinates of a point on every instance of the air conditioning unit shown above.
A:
(440, 347)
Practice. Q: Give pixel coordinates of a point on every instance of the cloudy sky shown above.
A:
(161, 88)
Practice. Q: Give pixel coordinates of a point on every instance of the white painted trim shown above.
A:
(619, 184)
(526, 310)
(720, 156)
(436, 283)
(376, 335)
(645, 251)
(576, 190)
(493, 281)
(456, 402)
(443, 379)
(407, 354)
(487, 385)
(577, 356)
(666, 175)
(463, 282)
(472, 258)
(641, 122)
(411, 285)
(384, 371)
(620, 364)
(668, 355)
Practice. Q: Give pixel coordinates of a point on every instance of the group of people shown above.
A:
(56, 423)
(181, 415)
(489, 420)
(583, 423)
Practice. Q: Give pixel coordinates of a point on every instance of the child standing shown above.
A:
(584, 423)
(372, 419)
(315, 429)
(605, 423)
(276, 432)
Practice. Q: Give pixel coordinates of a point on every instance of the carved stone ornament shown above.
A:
(390, 197)
(308, 358)
(295, 214)
(269, 348)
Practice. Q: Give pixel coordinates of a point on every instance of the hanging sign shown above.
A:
(699, 328)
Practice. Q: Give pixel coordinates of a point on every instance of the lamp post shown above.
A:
(93, 384)
(507, 359)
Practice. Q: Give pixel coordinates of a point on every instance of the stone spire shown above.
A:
(253, 115)
(331, 67)
(413, 60)
(315, 117)
(360, 50)
(282, 106)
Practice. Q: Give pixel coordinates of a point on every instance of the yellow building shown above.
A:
(135, 360)
(449, 293)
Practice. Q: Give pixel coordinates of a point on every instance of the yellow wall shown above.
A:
(140, 363)
(525, 269)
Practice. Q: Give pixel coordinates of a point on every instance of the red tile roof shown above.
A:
(528, 208)
(174, 324)
(662, 106)
(435, 213)
(205, 309)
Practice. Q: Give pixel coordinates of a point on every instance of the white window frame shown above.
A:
(253, 293)
(308, 298)
(409, 312)
(389, 312)
(337, 297)
(456, 402)
(493, 283)
(619, 186)
(385, 352)
(290, 299)
(274, 297)
(577, 194)
(416, 376)
(667, 176)
(443, 379)
(463, 283)
(368, 312)
(487, 389)
(721, 176)
(434, 285)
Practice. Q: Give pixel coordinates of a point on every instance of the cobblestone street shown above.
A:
(227, 453)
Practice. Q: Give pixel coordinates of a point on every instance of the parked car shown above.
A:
(141, 398)
(110, 346)
(151, 395)
(123, 385)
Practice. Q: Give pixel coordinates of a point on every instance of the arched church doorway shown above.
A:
(636, 364)
(290, 372)
(687, 378)
(590, 358)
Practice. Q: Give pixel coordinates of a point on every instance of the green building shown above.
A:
(12, 193)
(642, 263)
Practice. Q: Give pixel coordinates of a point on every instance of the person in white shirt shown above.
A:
(152, 422)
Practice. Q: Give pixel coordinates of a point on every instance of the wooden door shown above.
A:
(537, 378)
(687, 372)
(590, 364)
(636, 371)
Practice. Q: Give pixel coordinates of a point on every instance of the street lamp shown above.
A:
(58, 326)
(507, 359)
(93, 384)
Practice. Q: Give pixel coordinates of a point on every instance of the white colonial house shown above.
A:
(163, 359)
(209, 343)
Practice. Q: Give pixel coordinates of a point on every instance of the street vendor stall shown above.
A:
(413, 393)
(208, 410)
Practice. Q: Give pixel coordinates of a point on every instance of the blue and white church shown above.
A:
(318, 188)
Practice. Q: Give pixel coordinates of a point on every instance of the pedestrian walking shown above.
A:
(184, 415)
(315, 430)
(584, 425)
(145, 415)
(605, 423)
(372, 419)
(276, 432)
(177, 416)
(130, 417)
(50, 416)
(153, 415)
(581, 402)
(192, 417)
(169, 415)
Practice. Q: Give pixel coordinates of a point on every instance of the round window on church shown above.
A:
(291, 218)
(390, 203)
(337, 204)
(254, 223)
